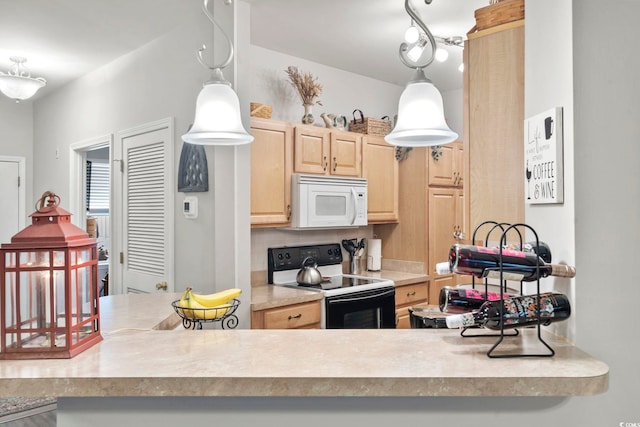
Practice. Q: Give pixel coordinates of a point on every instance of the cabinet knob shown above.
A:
(410, 294)
(335, 164)
(297, 316)
(162, 286)
(324, 166)
(288, 212)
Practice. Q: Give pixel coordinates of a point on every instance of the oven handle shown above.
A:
(384, 294)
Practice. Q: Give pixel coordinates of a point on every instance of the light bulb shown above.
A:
(412, 34)
(441, 54)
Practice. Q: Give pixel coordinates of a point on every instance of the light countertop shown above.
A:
(138, 358)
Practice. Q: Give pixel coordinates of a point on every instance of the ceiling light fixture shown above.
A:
(217, 120)
(17, 83)
(421, 120)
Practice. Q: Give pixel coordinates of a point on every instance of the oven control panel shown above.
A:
(291, 257)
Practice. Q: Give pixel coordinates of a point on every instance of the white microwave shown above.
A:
(320, 201)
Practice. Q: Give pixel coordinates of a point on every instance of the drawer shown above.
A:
(292, 316)
(411, 293)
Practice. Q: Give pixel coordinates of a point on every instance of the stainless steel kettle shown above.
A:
(309, 274)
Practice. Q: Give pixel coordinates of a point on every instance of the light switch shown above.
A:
(190, 207)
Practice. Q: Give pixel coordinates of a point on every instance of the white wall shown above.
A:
(16, 139)
(548, 84)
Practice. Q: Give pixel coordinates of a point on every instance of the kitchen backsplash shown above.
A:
(262, 239)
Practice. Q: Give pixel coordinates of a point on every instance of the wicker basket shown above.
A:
(498, 13)
(369, 126)
(261, 110)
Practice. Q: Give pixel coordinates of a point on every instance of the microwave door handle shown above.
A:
(355, 206)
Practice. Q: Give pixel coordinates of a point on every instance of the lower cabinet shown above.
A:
(296, 316)
(406, 297)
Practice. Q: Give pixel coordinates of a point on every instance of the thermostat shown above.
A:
(190, 207)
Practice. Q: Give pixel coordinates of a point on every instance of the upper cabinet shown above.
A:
(381, 170)
(281, 148)
(446, 165)
(271, 166)
(324, 151)
(494, 123)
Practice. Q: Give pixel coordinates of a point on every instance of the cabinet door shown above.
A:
(380, 167)
(311, 150)
(271, 162)
(442, 226)
(346, 153)
(445, 165)
(447, 226)
(495, 92)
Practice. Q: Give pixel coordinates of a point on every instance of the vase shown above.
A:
(308, 118)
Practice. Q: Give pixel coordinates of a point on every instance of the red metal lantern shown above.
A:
(49, 288)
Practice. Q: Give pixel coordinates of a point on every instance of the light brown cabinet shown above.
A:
(380, 167)
(296, 316)
(446, 165)
(407, 296)
(494, 123)
(447, 226)
(324, 151)
(271, 168)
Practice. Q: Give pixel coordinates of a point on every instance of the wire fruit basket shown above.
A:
(193, 318)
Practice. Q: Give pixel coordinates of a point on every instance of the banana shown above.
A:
(195, 306)
(216, 299)
(185, 303)
(207, 313)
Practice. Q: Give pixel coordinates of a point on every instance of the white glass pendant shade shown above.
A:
(19, 88)
(17, 83)
(217, 120)
(421, 120)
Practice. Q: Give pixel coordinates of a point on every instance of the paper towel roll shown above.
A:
(374, 255)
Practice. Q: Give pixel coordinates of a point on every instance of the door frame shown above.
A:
(77, 177)
(22, 188)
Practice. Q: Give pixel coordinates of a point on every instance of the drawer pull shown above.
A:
(297, 316)
(411, 294)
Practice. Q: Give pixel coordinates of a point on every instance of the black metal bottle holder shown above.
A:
(505, 228)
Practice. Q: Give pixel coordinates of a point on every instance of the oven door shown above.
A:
(370, 309)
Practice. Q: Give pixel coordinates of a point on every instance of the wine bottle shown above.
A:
(481, 262)
(462, 300)
(517, 312)
(541, 248)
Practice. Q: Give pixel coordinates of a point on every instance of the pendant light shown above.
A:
(421, 121)
(217, 119)
(17, 83)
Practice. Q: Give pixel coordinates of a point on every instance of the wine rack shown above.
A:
(504, 230)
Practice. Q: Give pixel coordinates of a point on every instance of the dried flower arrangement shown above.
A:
(307, 85)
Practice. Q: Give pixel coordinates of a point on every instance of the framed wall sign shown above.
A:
(543, 159)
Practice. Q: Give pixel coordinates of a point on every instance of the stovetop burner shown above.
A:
(339, 282)
(285, 262)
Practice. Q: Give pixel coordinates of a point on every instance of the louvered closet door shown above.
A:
(148, 217)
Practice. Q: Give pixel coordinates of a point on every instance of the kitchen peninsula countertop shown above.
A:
(138, 358)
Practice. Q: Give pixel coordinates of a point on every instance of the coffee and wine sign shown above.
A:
(543, 159)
